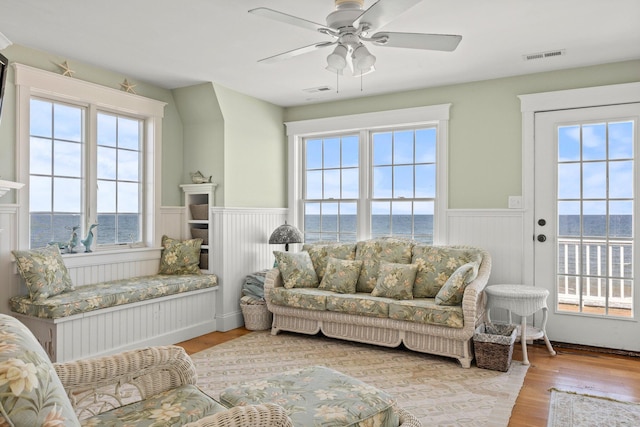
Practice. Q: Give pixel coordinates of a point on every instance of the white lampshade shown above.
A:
(363, 60)
(337, 60)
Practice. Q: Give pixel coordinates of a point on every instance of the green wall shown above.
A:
(485, 133)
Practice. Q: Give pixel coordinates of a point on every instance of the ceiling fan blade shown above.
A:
(443, 42)
(295, 52)
(383, 12)
(292, 20)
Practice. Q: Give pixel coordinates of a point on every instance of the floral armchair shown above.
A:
(154, 386)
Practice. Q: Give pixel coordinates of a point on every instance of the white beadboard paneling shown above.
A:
(9, 280)
(241, 246)
(172, 222)
(499, 231)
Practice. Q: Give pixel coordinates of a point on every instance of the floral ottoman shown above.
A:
(319, 396)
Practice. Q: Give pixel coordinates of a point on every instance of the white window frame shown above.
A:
(437, 115)
(32, 82)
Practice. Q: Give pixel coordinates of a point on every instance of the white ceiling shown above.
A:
(174, 43)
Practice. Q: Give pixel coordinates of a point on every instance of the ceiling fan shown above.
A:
(350, 26)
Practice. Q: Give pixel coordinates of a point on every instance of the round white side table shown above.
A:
(523, 301)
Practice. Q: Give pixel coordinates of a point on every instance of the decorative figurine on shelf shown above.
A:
(198, 178)
(88, 241)
(73, 240)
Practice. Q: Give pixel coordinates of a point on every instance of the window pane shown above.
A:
(107, 228)
(331, 184)
(128, 228)
(128, 197)
(403, 181)
(594, 146)
(380, 219)
(40, 118)
(382, 181)
(426, 181)
(314, 184)
(329, 217)
(423, 221)
(569, 219)
(312, 217)
(426, 145)
(403, 147)
(107, 163)
(402, 219)
(569, 181)
(41, 230)
(569, 143)
(350, 183)
(331, 153)
(63, 225)
(594, 180)
(621, 219)
(594, 220)
(348, 215)
(621, 140)
(314, 153)
(67, 159)
(107, 135)
(621, 180)
(128, 133)
(350, 147)
(40, 156)
(67, 122)
(40, 194)
(128, 165)
(67, 195)
(106, 197)
(382, 147)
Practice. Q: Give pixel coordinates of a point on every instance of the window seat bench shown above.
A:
(109, 317)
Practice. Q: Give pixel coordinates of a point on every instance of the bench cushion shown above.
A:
(319, 396)
(174, 407)
(108, 294)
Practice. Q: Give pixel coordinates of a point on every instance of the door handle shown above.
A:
(541, 238)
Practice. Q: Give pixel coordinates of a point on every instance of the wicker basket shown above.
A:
(200, 233)
(493, 345)
(256, 316)
(199, 212)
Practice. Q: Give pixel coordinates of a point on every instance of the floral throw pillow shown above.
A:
(395, 281)
(436, 265)
(43, 271)
(453, 290)
(296, 269)
(341, 276)
(180, 257)
(321, 252)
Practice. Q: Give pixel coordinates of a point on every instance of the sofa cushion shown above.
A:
(395, 281)
(341, 276)
(426, 311)
(453, 290)
(180, 257)
(320, 254)
(309, 298)
(31, 393)
(43, 271)
(372, 252)
(108, 294)
(296, 269)
(319, 396)
(361, 304)
(437, 264)
(174, 407)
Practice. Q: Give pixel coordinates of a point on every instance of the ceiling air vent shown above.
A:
(318, 89)
(544, 55)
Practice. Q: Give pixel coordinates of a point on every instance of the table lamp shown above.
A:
(285, 234)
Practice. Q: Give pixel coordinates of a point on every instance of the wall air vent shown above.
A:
(318, 89)
(544, 55)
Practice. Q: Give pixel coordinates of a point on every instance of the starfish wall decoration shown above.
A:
(127, 87)
(66, 69)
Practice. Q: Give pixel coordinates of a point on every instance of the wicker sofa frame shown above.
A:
(434, 339)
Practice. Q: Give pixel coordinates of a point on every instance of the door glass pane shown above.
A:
(595, 219)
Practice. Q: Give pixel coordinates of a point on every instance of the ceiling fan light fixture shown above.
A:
(363, 60)
(337, 60)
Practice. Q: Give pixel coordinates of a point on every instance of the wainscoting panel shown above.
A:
(9, 281)
(241, 247)
(498, 231)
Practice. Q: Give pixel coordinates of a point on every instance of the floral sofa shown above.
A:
(153, 386)
(382, 291)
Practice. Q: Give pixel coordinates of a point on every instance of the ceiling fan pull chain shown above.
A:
(360, 80)
(337, 81)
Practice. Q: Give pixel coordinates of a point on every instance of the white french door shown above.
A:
(586, 223)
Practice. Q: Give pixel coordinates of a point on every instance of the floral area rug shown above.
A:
(435, 389)
(570, 409)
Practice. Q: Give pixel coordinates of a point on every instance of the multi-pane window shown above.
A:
(56, 170)
(398, 170)
(62, 175)
(119, 178)
(331, 188)
(404, 183)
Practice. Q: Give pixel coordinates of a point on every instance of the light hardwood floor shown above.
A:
(599, 374)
